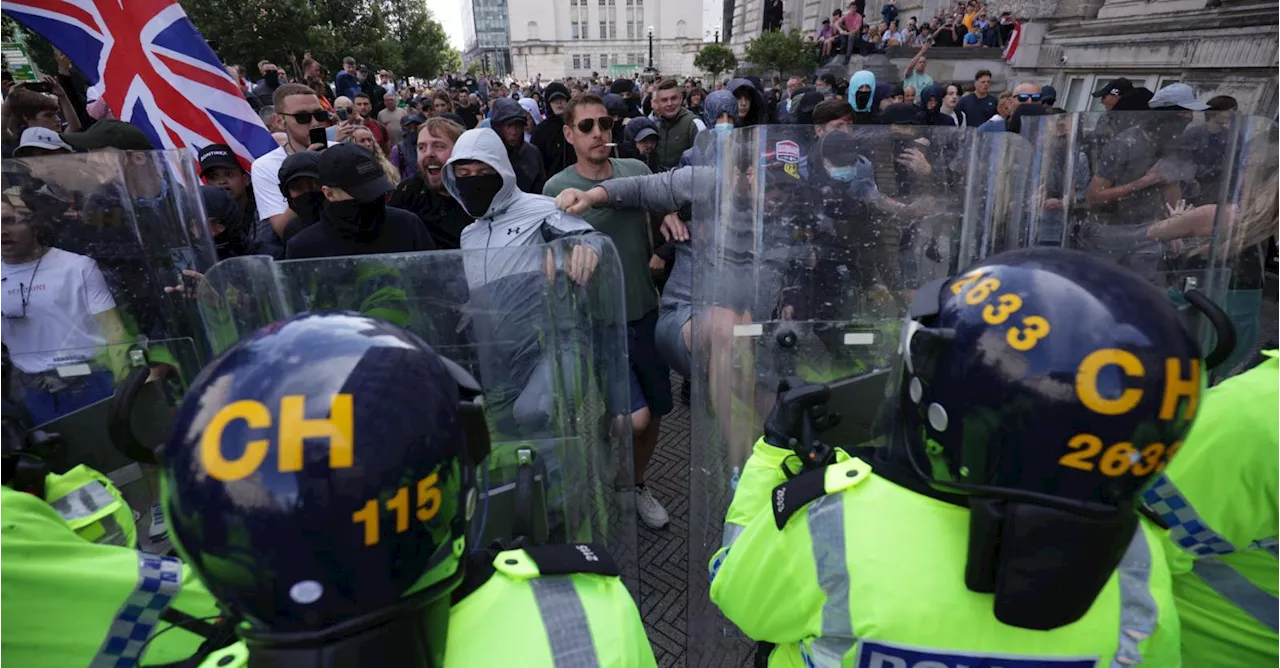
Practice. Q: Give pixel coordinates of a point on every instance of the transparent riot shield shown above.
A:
(106, 406)
(995, 194)
(100, 236)
(549, 353)
(1178, 197)
(808, 249)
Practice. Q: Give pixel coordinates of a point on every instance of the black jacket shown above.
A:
(398, 232)
(526, 159)
(549, 139)
(443, 217)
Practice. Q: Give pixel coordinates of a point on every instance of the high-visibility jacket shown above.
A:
(545, 607)
(869, 573)
(1219, 498)
(68, 601)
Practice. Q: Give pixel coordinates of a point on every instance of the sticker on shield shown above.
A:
(885, 655)
(787, 151)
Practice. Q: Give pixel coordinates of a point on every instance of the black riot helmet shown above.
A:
(319, 478)
(1046, 387)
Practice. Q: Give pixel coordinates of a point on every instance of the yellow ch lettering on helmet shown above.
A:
(338, 428)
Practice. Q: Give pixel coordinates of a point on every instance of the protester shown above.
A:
(300, 186)
(390, 116)
(38, 141)
(751, 106)
(362, 106)
(362, 137)
(557, 153)
(834, 115)
(585, 120)
(509, 122)
(355, 219)
(404, 155)
(297, 110)
(677, 126)
(424, 194)
(862, 90)
(219, 167)
(979, 105)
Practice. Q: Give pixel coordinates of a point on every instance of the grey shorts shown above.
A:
(669, 337)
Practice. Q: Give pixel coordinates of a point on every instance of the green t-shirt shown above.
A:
(628, 229)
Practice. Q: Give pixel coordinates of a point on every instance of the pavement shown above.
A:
(664, 554)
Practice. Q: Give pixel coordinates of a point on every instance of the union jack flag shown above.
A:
(153, 68)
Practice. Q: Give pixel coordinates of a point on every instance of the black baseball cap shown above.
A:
(355, 170)
(1118, 86)
(303, 164)
(108, 133)
(214, 156)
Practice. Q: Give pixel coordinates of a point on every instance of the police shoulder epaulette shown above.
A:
(556, 560)
(807, 487)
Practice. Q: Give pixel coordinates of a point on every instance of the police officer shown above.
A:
(76, 592)
(1035, 397)
(1218, 499)
(319, 479)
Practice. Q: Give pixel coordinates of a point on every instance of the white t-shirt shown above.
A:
(64, 294)
(266, 184)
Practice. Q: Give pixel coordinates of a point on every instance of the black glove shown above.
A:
(800, 411)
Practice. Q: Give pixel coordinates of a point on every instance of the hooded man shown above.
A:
(507, 289)
(425, 194)
(232, 234)
(355, 219)
(508, 120)
(627, 90)
(548, 137)
(750, 101)
(862, 91)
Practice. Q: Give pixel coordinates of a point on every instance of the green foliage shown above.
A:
(451, 60)
(783, 52)
(716, 59)
(399, 35)
(40, 50)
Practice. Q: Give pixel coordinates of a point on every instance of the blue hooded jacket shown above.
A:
(857, 80)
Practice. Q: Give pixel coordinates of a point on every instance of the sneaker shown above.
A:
(159, 529)
(651, 512)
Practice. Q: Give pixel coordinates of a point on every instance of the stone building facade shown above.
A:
(559, 38)
(1216, 46)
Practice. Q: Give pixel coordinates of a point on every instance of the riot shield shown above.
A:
(807, 249)
(120, 227)
(549, 353)
(995, 195)
(1178, 197)
(108, 407)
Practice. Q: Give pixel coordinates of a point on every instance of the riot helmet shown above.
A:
(1046, 387)
(319, 478)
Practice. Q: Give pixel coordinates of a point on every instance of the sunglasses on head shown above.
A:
(588, 124)
(1028, 97)
(305, 117)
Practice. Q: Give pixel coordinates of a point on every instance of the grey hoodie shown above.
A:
(514, 218)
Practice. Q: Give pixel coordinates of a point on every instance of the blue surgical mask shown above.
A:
(724, 128)
(844, 174)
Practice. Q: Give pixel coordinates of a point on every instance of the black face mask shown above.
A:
(356, 213)
(863, 98)
(308, 206)
(273, 78)
(476, 193)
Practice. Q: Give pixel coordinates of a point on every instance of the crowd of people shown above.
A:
(370, 164)
(965, 25)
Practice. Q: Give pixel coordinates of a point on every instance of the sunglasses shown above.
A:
(588, 124)
(305, 117)
(1028, 97)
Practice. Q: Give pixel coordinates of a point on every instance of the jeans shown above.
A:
(47, 405)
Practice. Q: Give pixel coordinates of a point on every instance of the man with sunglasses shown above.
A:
(298, 110)
(1027, 91)
(589, 127)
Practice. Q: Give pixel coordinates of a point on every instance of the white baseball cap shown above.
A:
(40, 138)
(1176, 95)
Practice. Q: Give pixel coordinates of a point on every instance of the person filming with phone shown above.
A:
(303, 118)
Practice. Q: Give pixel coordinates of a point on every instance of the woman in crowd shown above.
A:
(363, 137)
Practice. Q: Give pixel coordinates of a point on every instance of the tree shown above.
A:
(452, 60)
(399, 35)
(716, 59)
(783, 52)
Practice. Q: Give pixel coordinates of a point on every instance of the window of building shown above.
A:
(586, 62)
(604, 29)
(681, 29)
(577, 62)
(604, 61)
(532, 30)
(573, 27)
